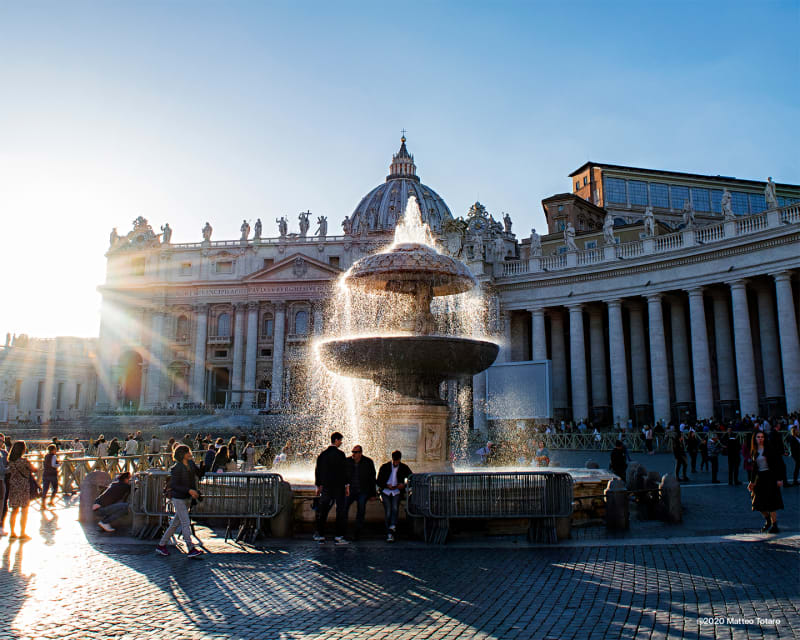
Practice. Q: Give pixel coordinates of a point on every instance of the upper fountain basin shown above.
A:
(410, 263)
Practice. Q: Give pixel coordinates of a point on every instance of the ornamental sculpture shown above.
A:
(770, 195)
(649, 222)
(536, 244)
(347, 226)
(207, 231)
(304, 223)
(245, 229)
(608, 230)
(727, 205)
(283, 226)
(507, 223)
(166, 233)
(688, 214)
(257, 230)
(322, 227)
(569, 237)
(113, 238)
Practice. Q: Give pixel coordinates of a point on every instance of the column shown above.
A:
(559, 353)
(317, 308)
(200, 337)
(701, 362)
(277, 354)
(155, 364)
(680, 352)
(577, 353)
(770, 353)
(538, 336)
(658, 360)
(505, 348)
(641, 394)
(238, 351)
(790, 346)
(743, 339)
(726, 369)
(479, 421)
(252, 354)
(597, 352)
(619, 366)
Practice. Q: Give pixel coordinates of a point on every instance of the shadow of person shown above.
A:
(48, 528)
(15, 584)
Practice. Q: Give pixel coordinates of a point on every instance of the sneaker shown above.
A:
(774, 529)
(105, 527)
(319, 538)
(162, 551)
(340, 540)
(194, 553)
(390, 537)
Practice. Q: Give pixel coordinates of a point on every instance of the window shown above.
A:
(590, 244)
(716, 200)
(659, 195)
(677, 196)
(758, 203)
(224, 325)
(220, 353)
(77, 404)
(562, 225)
(700, 199)
(577, 185)
(562, 250)
(267, 327)
(301, 323)
(59, 394)
(615, 190)
(182, 329)
(39, 394)
(225, 266)
(638, 192)
(137, 266)
(333, 261)
(560, 208)
(739, 203)
(585, 180)
(186, 268)
(266, 353)
(268, 262)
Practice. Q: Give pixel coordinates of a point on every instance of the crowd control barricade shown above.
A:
(536, 495)
(241, 499)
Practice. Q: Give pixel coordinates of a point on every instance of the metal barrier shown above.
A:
(245, 497)
(536, 495)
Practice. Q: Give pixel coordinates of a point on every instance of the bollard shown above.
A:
(92, 485)
(671, 498)
(282, 524)
(591, 464)
(630, 476)
(617, 510)
(652, 482)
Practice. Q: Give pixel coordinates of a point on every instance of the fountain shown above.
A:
(406, 356)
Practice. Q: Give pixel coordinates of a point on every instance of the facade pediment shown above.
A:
(295, 267)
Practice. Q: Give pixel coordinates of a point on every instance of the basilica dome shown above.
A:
(382, 206)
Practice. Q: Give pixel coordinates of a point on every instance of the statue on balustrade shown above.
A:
(283, 226)
(649, 222)
(245, 229)
(257, 230)
(569, 237)
(770, 195)
(608, 230)
(347, 225)
(688, 214)
(726, 205)
(507, 223)
(113, 238)
(322, 227)
(166, 231)
(536, 244)
(304, 223)
(207, 231)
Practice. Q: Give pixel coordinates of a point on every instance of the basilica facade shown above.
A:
(647, 306)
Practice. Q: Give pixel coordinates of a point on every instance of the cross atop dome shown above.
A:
(402, 163)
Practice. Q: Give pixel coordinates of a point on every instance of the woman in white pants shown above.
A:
(182, 488)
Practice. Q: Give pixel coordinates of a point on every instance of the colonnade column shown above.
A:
(745, 364)
(277, 354)
(658, 360)
(619, 367)
(238, 351)
(251, 355)
(199, 368)
(559, 354)
(641, 394)
(680, 351)
(701, 363)
(726, 370)
(479, 422)
(580, 394)
(155, 364)
(770, 353)
(318, 317)
(597, 354)
(790, 345)
(505, 348)
(538, 335)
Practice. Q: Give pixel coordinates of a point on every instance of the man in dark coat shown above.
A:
(330, 476)
(794, 448)
(392, 478)
(679, 452)
(733, 451)
(361, 474)
(619, 462)
(776, 443)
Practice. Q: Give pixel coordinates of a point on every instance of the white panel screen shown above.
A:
(519, 390)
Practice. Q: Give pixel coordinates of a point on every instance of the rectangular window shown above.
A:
(186, 268)
(59, 394)
(677, 196)
(77, 404)
(137, 266)
(758, 203)
(268, 262)
(716, 200)
(590, 244)
(333, 261)
(220, 353)
(585, 180)
(224, 267)
(562, 225)
(659, 195)
(615, 190)
(739, 202)
(266, 353)
(638, 192)
(577, 185)
(39, 394)
(700, 199)
(562, 250)
(560, 208)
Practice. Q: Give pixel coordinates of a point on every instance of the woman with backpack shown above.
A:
(181, 490)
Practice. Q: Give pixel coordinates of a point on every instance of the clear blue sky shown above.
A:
(193, 111)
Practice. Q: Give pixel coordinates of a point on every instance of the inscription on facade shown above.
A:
(304, 290)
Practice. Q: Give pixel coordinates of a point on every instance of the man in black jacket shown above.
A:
(361, 474)
(392, 478)
(330, 476)
(112, 504)
(619, 464)
(733, 450)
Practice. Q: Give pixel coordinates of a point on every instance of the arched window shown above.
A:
(268, 326)
(224, 325)
(182, 329)
(301, 323)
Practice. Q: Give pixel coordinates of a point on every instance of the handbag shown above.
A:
(36, 490)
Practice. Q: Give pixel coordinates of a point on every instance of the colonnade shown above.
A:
(739, 351)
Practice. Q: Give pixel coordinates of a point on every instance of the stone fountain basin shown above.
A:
(408, 356)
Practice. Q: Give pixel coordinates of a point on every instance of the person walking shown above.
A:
(619, 461)
(19, 488)
(101, 447)
(182, 489)
(3, 472)
(693, 446)
(704, 453)
(392, 478)
(679, 451)
(648, 439)
(766, 480)
(333, 486)
(732, 449)
(714, 449)
(361, 474)
(232, 454)
(221, 460)
(794, 449)
(131, 447)
(249, 457)
(114, 447)
(50, 475)
(208, 459)
(153, 448)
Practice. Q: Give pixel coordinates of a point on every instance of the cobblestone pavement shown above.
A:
(71, 583)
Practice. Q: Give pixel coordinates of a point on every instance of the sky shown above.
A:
(184, 112)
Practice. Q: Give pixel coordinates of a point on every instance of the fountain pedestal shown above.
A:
(419, 431)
